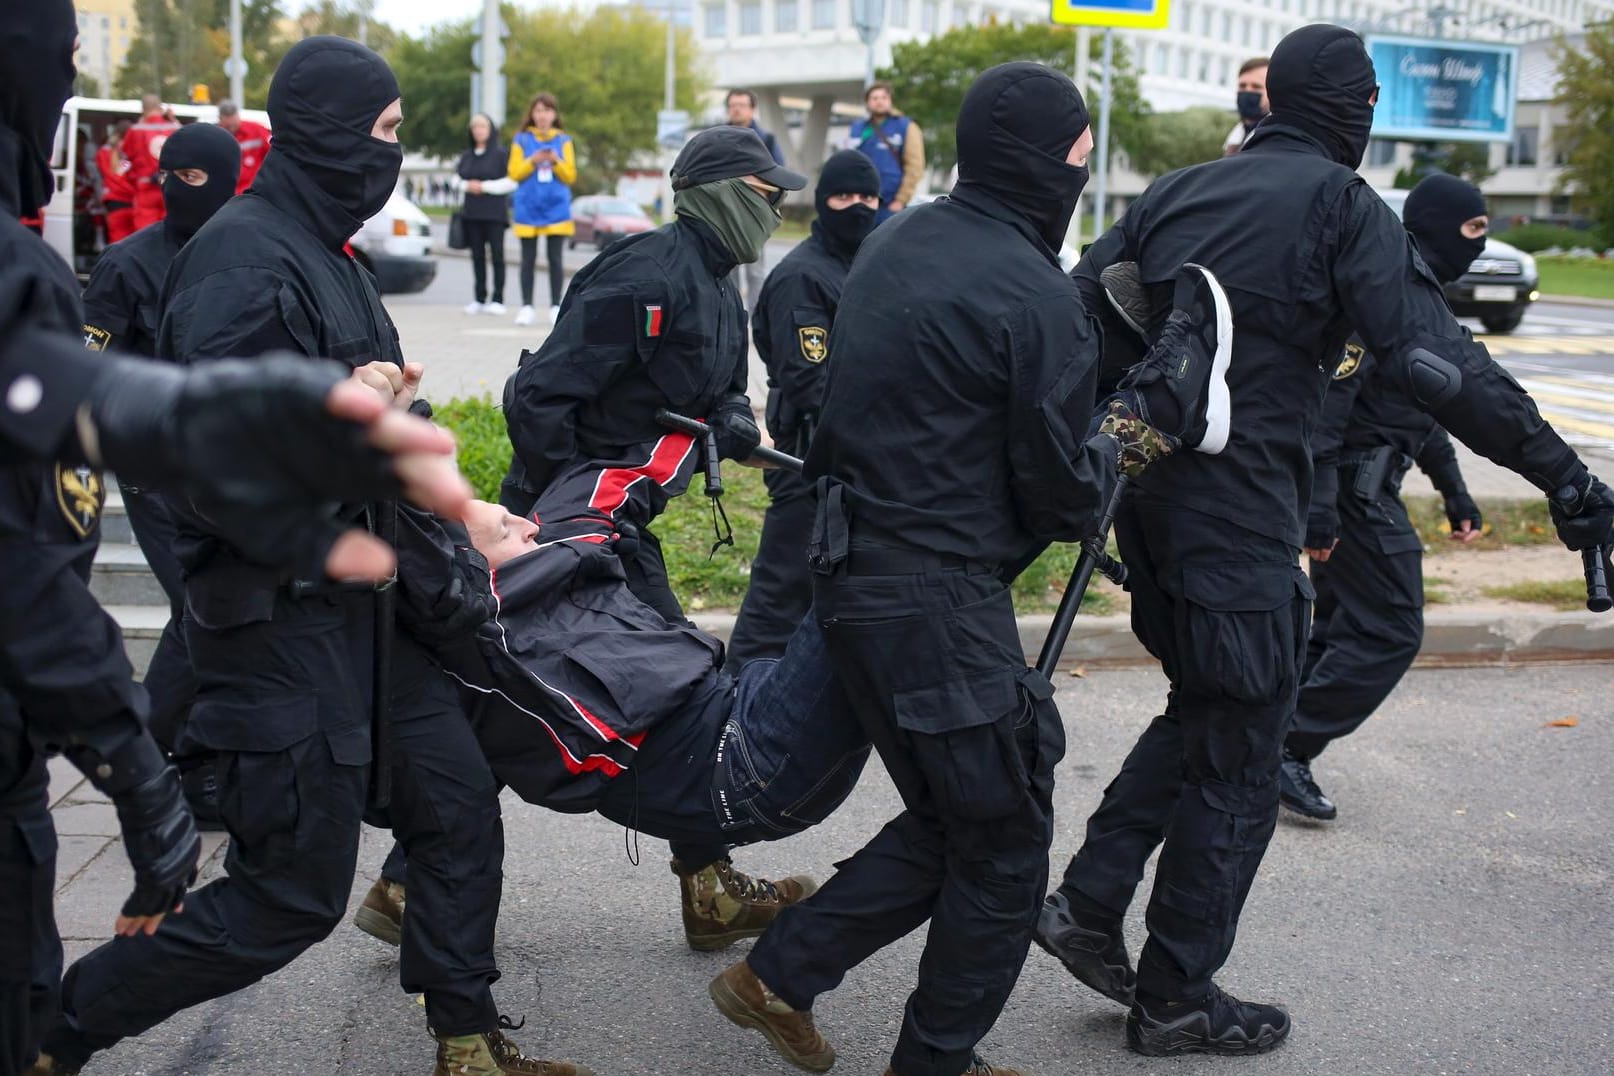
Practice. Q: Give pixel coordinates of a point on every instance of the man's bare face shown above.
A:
(879, 102)
(499, 535)
(741, 111)
(231, 123)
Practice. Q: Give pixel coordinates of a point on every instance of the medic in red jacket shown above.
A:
(253, 137)
(142, 146)
(117, 193)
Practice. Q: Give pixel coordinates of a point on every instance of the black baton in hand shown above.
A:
(1093, 557)
(696, 428)
(1593, 560)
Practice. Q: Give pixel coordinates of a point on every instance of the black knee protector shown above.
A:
(1434, 379)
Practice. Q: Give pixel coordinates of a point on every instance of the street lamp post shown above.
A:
(236, 65)
(869, 18)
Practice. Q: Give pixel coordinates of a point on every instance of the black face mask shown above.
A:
(323, 103)
(1015, 129)
(846, 172)
(1320, 80)
(1249, 106)
(36, 76)
(211, 149)
(1434, 214)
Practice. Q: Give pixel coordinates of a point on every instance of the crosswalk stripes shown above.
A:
(1548, 344)
(1581, 408)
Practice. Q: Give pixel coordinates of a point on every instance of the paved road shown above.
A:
(1456, 920)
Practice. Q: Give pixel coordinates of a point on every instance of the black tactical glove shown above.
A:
(1322, 526)
(459, 608)
(736, 428)
(1459, 507)
(159, 834)
(208, 431)
(1584, 514)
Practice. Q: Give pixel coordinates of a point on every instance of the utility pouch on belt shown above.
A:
(1372, 471)
(831, 537)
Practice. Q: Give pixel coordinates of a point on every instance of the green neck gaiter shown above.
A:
(741, 217)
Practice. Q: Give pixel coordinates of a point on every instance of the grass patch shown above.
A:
(1435, 592)
(1563, 594)
(1507, 523)
(1592, 278)
(718, 581)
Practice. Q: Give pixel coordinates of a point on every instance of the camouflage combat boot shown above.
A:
(44, 1066)
(747, 1002)
(381, 914)
(978, 1067)
(492, 1054)
(722, 905)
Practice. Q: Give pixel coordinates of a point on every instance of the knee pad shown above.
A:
(1434, 379)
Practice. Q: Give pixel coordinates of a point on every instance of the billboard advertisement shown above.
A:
(1117, 14)
(1444, 91)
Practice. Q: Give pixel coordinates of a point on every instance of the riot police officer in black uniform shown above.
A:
(791, 326)
(200, 165)
(1368, 623)
(1211, 543)
(284, 669)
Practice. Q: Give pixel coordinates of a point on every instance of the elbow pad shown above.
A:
(1434, 379)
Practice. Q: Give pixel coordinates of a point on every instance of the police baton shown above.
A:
(768, 457)
(1593, 560)
(1093, 557)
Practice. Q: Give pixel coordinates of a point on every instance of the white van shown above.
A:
(395, 244)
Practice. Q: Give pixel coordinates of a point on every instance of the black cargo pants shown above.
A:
(30, 949)
(1368, 625)
(781, 588)
(1225, 611)
(168, 680)
(929, 658)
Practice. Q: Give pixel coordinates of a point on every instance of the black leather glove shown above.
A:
(736, 428)
(252, 445)
(1584, 514)
(159, 834)
(1460, 506)
(459, 608)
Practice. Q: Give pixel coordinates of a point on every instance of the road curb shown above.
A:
(1451, 638)
(1578, 300)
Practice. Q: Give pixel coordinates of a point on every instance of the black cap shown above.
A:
(728, 153)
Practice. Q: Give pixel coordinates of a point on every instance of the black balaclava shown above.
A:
(1434, 214)
(323, 103)
(1015, 129)
(846, 172)
(36, 76)
(1320, 80)
(216, 152)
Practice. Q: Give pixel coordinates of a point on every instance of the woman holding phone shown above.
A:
(543, 162)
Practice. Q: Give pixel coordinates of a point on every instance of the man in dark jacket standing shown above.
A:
(1212, 544)
(121, 311)
(1366, 558)
(742, 112)
(791, 326)
(284, 668)
(954, 437)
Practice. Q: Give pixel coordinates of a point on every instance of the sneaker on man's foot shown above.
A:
(747, 1002)
(1217, 1023)
(526, 316)
(722, 905)
(979, 1066)
(1181, 384)
(1298, 791)
(492, 1054)
(381, 914)
(1093, 952)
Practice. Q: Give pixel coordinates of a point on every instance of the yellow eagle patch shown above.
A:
(814, 343)
(96, 339)
(80, 493)
(1351, 361)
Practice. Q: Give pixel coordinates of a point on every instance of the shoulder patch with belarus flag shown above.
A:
(652, 321)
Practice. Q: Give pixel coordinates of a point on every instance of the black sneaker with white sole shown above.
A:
(1298, 790)
(1180, 387)
(1217, 1023)
(1131, 301)
(1094, 952)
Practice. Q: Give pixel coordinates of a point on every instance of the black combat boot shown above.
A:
(1298, 791)
(1091, 949)
(1217, 1023)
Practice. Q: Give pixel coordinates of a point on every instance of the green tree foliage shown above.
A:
(928, 79)
(434, 73)
(179, 43)
(1173, 140)
(1586, 90)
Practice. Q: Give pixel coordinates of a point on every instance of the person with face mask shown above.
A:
(790, 325)
(1366, 558)
(655, 322)
(1211, 543)
(954, 435)
(199, 165)
(1251, 102)
(284, 667)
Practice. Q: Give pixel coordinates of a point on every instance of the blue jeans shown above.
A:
(786, 752)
